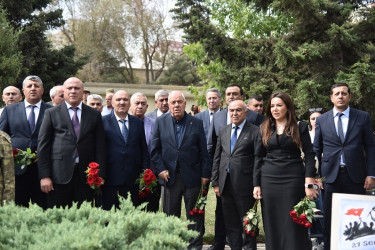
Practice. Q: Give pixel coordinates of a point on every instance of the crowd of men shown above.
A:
(183, 150)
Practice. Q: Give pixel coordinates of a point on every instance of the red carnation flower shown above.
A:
(98, 181)
(246, 222)
(303, 216)
(308, 225)
(15, 151)
(293, 214)
(90, 180)
(147, 178)
(191, 213)
(93, 171)
(93, 165)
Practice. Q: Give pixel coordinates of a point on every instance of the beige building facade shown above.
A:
(149, 90)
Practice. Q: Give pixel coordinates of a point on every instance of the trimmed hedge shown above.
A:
(90, 228)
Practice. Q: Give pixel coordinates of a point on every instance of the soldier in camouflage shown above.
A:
(6, 169)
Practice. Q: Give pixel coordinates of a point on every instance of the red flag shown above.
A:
(354, 211)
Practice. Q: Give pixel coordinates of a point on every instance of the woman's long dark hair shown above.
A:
(291, 128)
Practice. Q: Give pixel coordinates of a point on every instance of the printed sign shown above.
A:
(353, 222)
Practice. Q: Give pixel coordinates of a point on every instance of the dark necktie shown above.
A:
(233, 140)
(124, 130)
(31, 118)
(75, 121)
(339, 127)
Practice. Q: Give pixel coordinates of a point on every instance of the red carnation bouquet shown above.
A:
(24, 158)
(201, 201)
(147, 183)
(303, 212)
(251, 220)
(93, 178)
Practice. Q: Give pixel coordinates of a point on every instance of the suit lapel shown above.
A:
(332, 126)
(66, 118)
(352, 119)
(131, 128)
(22, 111)
(40, 116)
(240, 137)
(171, 132)
(188, 126)
(115, 126)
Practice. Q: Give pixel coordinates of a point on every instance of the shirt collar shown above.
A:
(118, 118)
(239, 126)
(346, 112)
(69, 106)
(28, 104)
(182, 121)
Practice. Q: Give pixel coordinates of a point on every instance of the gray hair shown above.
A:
(53, 91)
(32, 78)
(214, 90)
(160, 93)
(95, 96)
(176, 92)
(137, 94)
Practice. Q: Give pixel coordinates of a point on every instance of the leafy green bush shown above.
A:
(90, 228)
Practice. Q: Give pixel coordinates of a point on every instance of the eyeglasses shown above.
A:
(312, 110)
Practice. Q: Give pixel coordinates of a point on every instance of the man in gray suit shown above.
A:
(161, 101)
(71, 136)
(232, 173)
(221, 119)
(213, 99)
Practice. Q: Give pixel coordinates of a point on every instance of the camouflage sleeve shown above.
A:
(7, 179)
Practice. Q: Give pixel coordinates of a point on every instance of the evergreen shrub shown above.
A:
(90, 228)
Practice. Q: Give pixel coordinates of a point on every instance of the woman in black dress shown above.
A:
(280, 173)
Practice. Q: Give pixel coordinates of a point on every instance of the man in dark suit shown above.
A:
(161, 102)
(221, 119)
(22, 122)
(179, 154)
(127, 153)
(71, 137)
(213, 99)
(138, 108)
(345, 147)
(232, 173)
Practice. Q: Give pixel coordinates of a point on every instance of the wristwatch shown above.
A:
(310, 185)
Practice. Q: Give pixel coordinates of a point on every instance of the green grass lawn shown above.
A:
(210, 219)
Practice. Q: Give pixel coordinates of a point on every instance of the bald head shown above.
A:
(11, 95)
(73, 91)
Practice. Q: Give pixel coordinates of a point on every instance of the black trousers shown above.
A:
(75, 191)
(27, 188)
(110, 195)
(342, 184)
(173, 200)
(153, 200)
(235, 208)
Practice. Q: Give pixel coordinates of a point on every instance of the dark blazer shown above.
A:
(152, 114)
(125, 162)
(241, 159)
(58, 143)
(220, 120)
(191, 155)
(205, 117)
(358, 147)
(14, 122)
